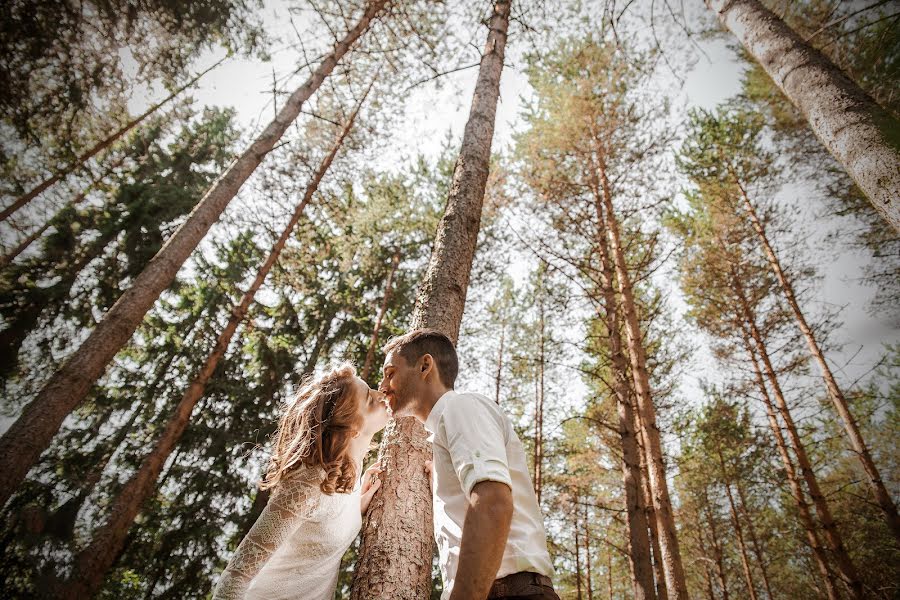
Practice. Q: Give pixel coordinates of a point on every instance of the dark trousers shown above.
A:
(523, 586)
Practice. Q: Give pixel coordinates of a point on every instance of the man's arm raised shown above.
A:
(485, 530)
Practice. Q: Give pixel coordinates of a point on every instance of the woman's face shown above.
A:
(372, 406)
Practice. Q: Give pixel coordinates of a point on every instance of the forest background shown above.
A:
(532, 334)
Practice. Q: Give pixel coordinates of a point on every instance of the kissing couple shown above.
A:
(487, 522)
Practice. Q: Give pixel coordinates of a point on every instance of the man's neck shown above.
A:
(427, 402)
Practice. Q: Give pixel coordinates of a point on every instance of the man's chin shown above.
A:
(401, 409)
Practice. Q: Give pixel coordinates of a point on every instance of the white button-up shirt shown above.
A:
(473, 440)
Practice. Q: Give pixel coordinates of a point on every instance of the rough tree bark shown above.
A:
(638, 536)
(95, 559)
(834, 391)
(396, 550)
(22, 444)
(671, 555)
(860, 134)
(385, 301)
(845, 566)
(97, 148)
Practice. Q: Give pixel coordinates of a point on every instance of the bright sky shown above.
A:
(430, 113)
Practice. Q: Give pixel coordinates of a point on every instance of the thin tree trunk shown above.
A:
(22, 444)
(754, 539)
(859, 133)
(806, 519)
(97, 557)
(662, 592)
(587, 554)
(388, 292)
(609, 572)
(499, 375)
(24, 321)
(639, 542)
(845, 565)
(25, 243)
(577, 552)
(671, 555)
(539, 406)
(396, 551)
(717, 546)
(834, 391)
(738, 529)
(97, 148)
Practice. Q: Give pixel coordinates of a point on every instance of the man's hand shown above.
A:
(370, 485)
(485, 530)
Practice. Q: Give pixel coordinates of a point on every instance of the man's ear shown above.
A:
(426, 365)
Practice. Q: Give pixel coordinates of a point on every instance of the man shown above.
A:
(487, 522)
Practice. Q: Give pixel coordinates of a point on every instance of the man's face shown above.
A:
(398, 383)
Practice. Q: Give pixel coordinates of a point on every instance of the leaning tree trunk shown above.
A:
(803, 511)
(373, 344)
(754, 540)
(22, 445)
(25, 243)
(396, 551)
(860, 134)
(638, 537)
(845, 565)
(98, 556)
(97, 148)
(671, 555)
(662, 592)
(834, 391)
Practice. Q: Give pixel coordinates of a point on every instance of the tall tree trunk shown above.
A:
(639, 541)
(388, 291)
(499, 374)
(754, 539)
(577, 551)
(859, 133)
(587, 554)
(662, 592)
(803, 511)
(539, 404)
(738, 529)
(716, 545)
(845, 565)
(671, 555)
(396, 550)
(23, 443)
(98, 556)
(834, 391)
(97, 148)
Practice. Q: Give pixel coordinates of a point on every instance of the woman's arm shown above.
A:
(294, 500)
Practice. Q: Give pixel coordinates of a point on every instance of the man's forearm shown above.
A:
(485, 530)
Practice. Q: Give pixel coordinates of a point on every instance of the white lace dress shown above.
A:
(294, 549)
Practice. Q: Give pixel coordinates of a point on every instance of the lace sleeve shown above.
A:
(294, 500)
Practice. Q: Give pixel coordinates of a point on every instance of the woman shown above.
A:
(294, 549)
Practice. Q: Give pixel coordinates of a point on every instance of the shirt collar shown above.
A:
(436, 411)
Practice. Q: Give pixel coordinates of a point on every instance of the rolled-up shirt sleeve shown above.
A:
(475, 437)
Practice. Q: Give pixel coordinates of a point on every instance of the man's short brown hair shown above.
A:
(417, 343)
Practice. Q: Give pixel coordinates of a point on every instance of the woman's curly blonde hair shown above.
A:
(316, 428)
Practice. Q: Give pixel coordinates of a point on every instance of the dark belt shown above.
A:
(520, 584)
